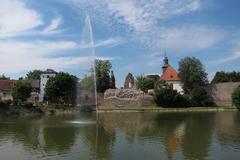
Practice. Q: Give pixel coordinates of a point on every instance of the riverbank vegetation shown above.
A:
(61, 89)
(236, 97)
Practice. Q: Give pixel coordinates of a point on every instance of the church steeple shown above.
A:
(165, 62)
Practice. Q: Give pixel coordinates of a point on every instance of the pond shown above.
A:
(123, 136)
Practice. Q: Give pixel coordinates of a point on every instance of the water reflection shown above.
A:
(123, 136)
(197, 137)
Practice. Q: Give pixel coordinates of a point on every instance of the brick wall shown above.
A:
(221, 93)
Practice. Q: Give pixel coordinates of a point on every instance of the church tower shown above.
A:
(165, 62)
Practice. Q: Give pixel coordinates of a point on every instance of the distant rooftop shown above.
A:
(49, 71)
(6, 85)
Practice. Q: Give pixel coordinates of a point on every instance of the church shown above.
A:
(170, 75)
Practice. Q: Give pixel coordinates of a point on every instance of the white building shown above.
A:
(45, 75)
(171, 76)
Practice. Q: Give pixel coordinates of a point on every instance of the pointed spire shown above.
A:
(165, 61)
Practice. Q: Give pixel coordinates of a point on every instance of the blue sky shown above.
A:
(131, 33)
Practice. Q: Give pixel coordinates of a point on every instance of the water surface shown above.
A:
(141, 136)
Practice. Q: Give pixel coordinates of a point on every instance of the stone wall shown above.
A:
(221, 93)
(126, 98)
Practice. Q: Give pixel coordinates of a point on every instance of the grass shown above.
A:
(161, 109)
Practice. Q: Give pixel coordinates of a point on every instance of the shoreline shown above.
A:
(45, 111)
(164, 110)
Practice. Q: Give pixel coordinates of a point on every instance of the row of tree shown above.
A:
(226, 77)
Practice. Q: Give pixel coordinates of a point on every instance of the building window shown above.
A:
(47, 76)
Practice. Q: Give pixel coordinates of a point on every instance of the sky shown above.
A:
(132, 34)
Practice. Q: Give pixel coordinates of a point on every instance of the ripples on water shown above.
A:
(123, 136)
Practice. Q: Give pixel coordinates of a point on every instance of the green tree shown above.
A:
(226, 77)
(200, 97)
(194, 78)
(144, 83)
(3, 77)
(61, 89)
(87, 83)
(165, 96)
(33, 75)
(192, 73)
(102, 68)
(236, 97)
(21, 91)
(113, 80)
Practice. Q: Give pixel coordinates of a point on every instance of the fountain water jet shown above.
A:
(88, 93)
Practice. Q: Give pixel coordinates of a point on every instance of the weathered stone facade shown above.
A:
(126, 98)
(221, 93)
(129, 81)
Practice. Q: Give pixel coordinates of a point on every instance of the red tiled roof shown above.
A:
(170, 75)
(6, 85)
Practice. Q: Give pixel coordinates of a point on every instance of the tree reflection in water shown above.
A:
(123, 136)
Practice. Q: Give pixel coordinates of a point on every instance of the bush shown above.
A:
(61, 89)
(199, 96)
(144, 83)
(167, 97)
(2, 104)
(21, 91)
(236, 97)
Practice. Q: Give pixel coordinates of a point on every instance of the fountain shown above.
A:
(87, 87)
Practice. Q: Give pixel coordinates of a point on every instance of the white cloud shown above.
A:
(19, 56)
(111, 42)
(144, 21)
(16, 18)
(233, 56)
(139, 15)
(190, 38)
(53, 27)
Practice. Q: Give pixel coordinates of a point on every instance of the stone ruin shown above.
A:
(127, 98)
(129, 81)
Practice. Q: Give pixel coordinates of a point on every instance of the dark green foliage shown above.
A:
(61, 89)
(113, 81)
(236, 97)
(160, 84)
(226, 77)
(3, 104)
(33, 75)
(102, 68)
(192, 73)
(21, 91)
(165, 96)
(144, 83)
(199, 96)
(194, 80)
(3, 77)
